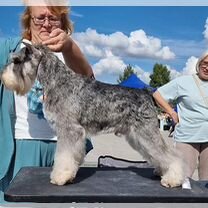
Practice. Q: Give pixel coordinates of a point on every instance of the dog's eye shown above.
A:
(16, 60)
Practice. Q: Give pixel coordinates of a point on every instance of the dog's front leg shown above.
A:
(70, 152)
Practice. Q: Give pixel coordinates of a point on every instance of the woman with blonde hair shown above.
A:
(26, 139)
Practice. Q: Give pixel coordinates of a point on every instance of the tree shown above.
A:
(160, 76)
(129, 70)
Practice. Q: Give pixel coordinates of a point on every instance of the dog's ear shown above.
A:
(30, 49)
(17, 58)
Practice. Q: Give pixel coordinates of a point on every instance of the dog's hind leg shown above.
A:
(148, 141)
(70, 152)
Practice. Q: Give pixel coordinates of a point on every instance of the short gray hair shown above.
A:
(203, 56)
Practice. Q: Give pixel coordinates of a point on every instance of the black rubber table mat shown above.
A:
(137, 185)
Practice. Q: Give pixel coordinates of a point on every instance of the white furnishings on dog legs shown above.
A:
(69, 155)
(64, 169)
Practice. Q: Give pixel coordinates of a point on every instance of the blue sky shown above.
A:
(112, 37)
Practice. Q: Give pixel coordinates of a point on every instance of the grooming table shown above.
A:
(106, 184)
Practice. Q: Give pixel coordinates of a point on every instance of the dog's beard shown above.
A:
(20, 85)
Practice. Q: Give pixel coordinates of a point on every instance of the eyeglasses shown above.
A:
(204, 64)
(53, 21)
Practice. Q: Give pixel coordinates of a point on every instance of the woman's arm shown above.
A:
(75, 59)
(59, 41)
(165, 106)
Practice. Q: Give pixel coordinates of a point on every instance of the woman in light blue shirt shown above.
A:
(191, 131)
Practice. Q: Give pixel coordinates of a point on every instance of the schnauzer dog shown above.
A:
(76, 105)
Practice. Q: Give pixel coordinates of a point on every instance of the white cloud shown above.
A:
(173, 72)
(93, 51)
(113, 50)
(114, 65)
(143, 75)
(190, 66)
(187, 70)
(111, 65)
(75, 14)
(205, 33)
(137, 45)
(141, 45)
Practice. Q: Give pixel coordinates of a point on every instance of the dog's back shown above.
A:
(107, 106)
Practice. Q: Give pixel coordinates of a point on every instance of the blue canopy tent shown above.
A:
(134, 82)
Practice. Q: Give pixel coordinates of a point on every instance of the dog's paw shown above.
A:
(62, 177)
(170, 183)
(171, 180)
(174, 176)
